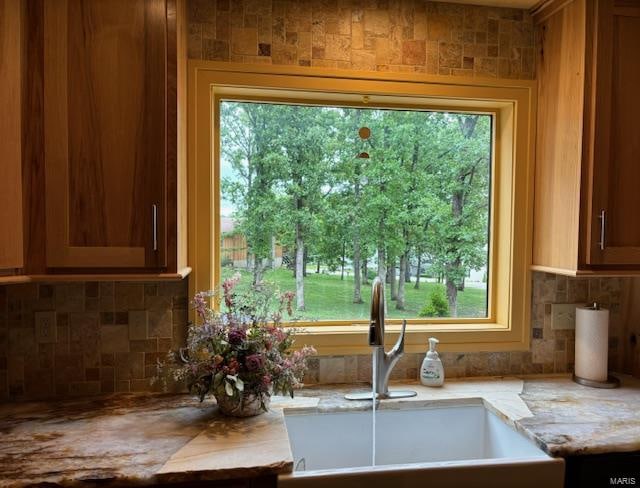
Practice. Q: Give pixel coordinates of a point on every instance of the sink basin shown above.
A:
(461, 445)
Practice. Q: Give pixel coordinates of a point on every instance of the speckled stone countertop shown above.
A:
(570, 419)
(149, 439)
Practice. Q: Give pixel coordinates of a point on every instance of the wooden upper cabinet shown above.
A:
(106, 133)
(616, 164)
(587, 174)
(10, 137)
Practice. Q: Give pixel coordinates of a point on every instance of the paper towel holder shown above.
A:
(611, 382)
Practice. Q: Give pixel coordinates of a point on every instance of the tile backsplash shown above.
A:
(372, 35)
(71, 339)
(107, 337)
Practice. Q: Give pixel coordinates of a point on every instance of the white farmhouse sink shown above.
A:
(452, 446)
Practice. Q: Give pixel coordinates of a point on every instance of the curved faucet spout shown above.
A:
(384, 361)
(376, 324)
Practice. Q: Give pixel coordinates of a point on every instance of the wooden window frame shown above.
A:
(512, 104)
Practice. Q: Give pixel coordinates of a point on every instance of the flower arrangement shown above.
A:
(242, 355)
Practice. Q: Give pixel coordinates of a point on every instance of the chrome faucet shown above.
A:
(384, 361)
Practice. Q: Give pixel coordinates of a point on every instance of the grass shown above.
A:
(327, 297)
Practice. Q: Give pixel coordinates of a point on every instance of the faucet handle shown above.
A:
(399, 346)
(401, 338)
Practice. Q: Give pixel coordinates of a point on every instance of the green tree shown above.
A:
(306, 139)
(247, 141)
(460, 232)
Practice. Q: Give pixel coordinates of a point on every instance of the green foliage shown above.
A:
(371, 274)
(437, 304)
(329, 297)
(291, 172)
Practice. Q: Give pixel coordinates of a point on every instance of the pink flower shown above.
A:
(266, 380)
(303, 353)
(237, 336)
(227, 287)
(254, 362)
(287, 299)
(233, 366)
(200, 304)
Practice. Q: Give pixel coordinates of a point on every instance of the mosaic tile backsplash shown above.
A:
(76, 339)
(108, 337)
(372, 35)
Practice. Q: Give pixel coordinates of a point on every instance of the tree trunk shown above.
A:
(256, 268)
(461, 285)
(295, 260)
(357, 282)
(318, 266)
(365, 271)
(418, 270)
(452, 269)
(452, 297)
(357, 287)
(401, 281)
(382, 271)
(342, 262)
(271, 262)
(299, 268)
(393, 284)
(304, 262)
(407, 271)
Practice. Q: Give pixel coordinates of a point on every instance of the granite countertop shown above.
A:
(147, 439)
(569, 419)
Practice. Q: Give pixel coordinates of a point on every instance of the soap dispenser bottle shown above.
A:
(432, 372)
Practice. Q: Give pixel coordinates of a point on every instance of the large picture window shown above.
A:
(318, 181)
(319, 199)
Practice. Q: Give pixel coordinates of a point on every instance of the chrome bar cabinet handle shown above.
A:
(603, 228)
(154, 224)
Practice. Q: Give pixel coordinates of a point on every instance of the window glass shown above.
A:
(319, 200)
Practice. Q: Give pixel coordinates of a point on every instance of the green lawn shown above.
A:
(328, 297)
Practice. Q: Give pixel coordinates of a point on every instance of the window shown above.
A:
(503, 111)
(321, 199)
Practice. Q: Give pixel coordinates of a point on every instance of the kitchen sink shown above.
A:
(460, 445)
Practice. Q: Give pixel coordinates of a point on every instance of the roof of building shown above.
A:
(227, 224)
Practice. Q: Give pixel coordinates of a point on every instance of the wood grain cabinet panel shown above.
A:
(10, 136)
(105, 125)
(587, 197)
(616, 190)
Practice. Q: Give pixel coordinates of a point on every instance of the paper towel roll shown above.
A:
(592, 343)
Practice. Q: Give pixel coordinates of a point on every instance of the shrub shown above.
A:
(437, 304)
(226, 262)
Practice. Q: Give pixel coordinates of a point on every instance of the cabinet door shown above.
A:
(105, 125)
(10, 136)
(615, 198)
